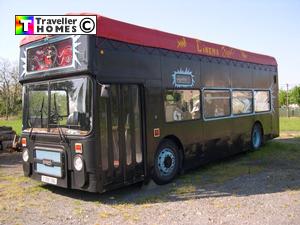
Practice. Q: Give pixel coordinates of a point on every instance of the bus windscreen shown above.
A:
(62, 104)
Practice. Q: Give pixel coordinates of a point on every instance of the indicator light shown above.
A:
(156, 132)
(24, 142)
(78, 148)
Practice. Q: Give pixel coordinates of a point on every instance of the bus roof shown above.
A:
(133, 34)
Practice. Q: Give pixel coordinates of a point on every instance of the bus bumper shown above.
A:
(80, 180)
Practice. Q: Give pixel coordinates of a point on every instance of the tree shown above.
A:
(282, 98)
(295, 95)
(10, 89)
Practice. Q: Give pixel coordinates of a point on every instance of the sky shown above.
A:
(270, 27)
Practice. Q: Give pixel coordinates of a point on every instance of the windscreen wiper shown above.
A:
(60, 130)
(61, 133)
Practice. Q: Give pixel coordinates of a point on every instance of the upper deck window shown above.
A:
(49, 56)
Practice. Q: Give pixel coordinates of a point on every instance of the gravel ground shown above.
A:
(269, 194)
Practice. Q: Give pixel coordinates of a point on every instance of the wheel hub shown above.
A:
(166, 162)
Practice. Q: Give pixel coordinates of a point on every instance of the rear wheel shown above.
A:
(166, 162)
(256, 136)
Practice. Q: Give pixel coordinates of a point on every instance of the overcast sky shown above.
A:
(270, 27)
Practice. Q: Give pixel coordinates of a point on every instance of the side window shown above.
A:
(182, 105)
(216, 103)
(242, 102)
(262, 101)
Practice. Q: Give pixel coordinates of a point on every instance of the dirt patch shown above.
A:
(289, 137)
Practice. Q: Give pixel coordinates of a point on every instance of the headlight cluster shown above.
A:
(78, 162)
(25, 155)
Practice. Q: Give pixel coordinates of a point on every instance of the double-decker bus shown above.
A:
(131, 104)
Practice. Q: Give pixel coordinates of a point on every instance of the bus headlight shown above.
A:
(78, 162)
(25, 155)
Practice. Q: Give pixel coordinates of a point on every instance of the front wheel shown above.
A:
(256, 137)
(166, 163)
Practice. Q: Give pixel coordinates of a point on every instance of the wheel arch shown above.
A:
(262, 141)
(261, 126)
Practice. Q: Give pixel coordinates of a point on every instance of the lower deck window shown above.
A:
(262, 101)
(216, 103)
(241, 102)
(182, 105)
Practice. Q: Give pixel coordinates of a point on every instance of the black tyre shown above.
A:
(256, 137)
(166, 163)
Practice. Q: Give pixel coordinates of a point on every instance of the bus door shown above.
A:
(121, 133)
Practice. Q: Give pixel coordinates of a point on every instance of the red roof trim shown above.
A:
(121, 31)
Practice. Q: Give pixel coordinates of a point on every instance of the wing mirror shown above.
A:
(105, 91)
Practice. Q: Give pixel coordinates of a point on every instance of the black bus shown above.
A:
(131, 104)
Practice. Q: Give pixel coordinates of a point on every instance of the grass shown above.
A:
(13, 187)
(289, 124)
(17, 192)
(16, 124)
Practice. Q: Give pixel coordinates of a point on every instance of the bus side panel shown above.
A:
(217, 137)
(171, 64)
(189, 132)
(241, 78)
(121, 63)
(241, 133)
(154, 119)
(263, 79)
(215, 73)
(275, 102)
(241, 75)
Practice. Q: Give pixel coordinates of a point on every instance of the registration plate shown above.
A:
(49, 180)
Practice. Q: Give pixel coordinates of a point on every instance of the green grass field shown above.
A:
(16, 124)
(286, 124)
(289, 124)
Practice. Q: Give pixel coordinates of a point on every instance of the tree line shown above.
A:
(291, 96)
(10, 89)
